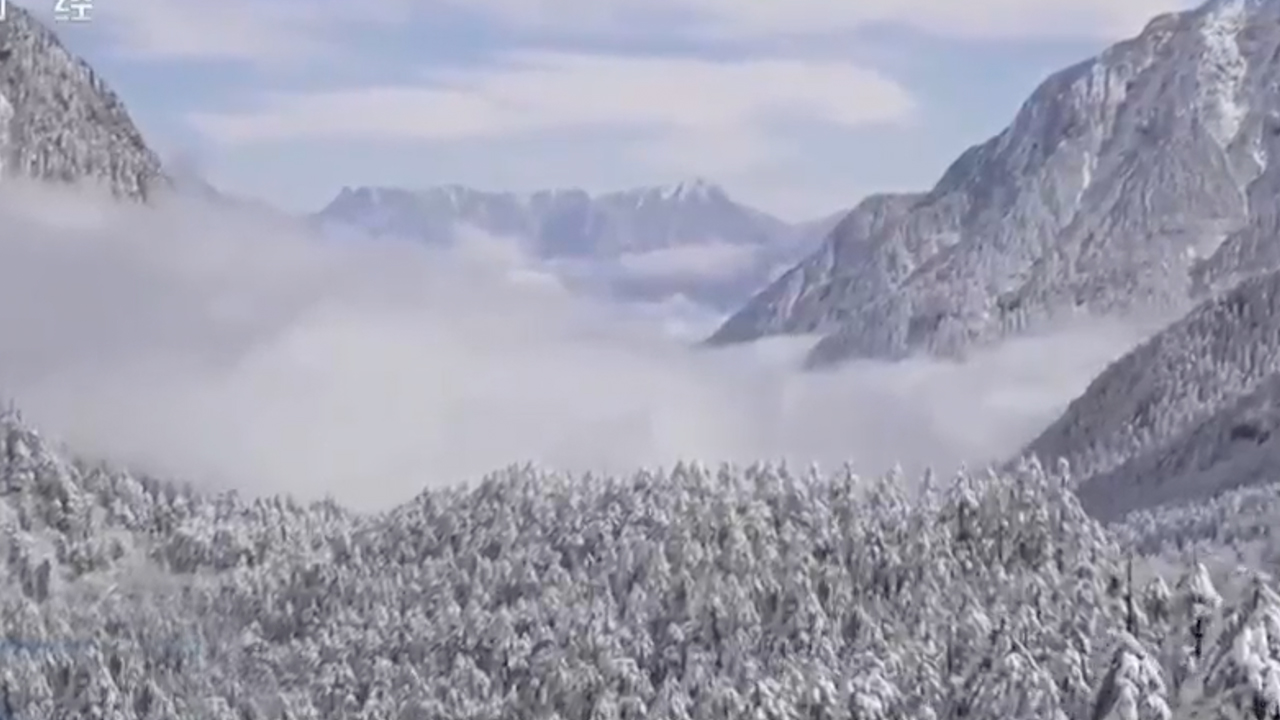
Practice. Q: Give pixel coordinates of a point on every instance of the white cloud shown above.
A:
(259, 30)
(229, 349)
(701, 116)
(764, 19)
(709, 260)
(255, 31)
(263, 31)
(550, 91)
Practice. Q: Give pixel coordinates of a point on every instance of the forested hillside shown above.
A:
(694, 593)
(1187, 414)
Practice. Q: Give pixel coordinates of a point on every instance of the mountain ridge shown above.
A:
(1070, 210)
(688, 238)
(61, 122)
(356, 204)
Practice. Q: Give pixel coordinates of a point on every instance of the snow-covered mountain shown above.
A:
(688, 239)
(1193, 411)
(1136, 179)
(60, 122)
(562, 222)
(679, 593)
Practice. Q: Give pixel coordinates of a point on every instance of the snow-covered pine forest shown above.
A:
(757, 593)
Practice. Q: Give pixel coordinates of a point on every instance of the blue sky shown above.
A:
(799, 107)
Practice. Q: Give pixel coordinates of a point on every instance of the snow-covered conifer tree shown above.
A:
(1133, 687)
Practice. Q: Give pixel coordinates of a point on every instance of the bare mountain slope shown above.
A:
(1111, 191)
(1188, 413)
(58, 119)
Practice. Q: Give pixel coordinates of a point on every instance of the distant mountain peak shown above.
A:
(649, 217)
(692, 190)
(695, 189)
(601, 235)
(689, 191)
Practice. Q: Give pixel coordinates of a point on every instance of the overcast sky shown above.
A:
(800, 107)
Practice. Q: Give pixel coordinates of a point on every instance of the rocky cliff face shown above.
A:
(1139, 178)
(60, 122)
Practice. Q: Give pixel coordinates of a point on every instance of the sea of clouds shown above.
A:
(229, 346)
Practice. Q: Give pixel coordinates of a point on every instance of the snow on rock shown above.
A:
(561, 222)
(60, 120)
(604, 239)
(1101, 198)
(1222, 69)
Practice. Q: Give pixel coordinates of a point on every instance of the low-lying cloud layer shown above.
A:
(227, 347)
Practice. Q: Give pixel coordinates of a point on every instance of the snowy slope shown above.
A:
(1191, 412)
(815, 296)
(564, 221)
(1112, 190)
(59, 121)
(687, 239)
(740, 592)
